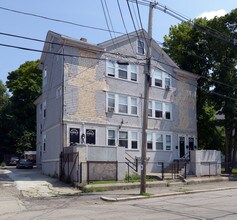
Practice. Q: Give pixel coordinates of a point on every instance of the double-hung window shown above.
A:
(122, 71)
(134, 140)
(45, 73)
(111, 68)
(134, 106)
(150, 109)
(133, 71)
(159, 142)
(149, 141)
(111, 137)
(168, 142)
(158, 110)
(167, 80)
(157, 78)
(167, 111)
(123, 104)
(111, 102)
(123, 139)
(141, 47)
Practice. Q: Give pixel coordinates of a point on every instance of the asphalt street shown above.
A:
(27, 194)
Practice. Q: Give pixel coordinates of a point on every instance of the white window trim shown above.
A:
(116, 74)
(163, 77)
(141, 40)
(45, 75)
(163, 110)
(116, 107)
(164, 141)
(129, 132)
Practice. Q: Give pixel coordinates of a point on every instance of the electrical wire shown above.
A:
(124, 25)
(58, 20)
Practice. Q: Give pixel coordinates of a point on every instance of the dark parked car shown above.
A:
(24, 163)
(13, 161)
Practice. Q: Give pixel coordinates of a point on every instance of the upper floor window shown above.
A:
(134, 106)
(167, 111)
(161, 79)
(158, 78)
(45, 76)
(141, 47)
(111, 68)
(122, 71)
(111, 102)
(159, 142)
(159, 109)
(133, 68)
(122, 104)
(44, 109)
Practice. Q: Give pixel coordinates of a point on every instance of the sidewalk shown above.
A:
(31, 183)
(167, 188)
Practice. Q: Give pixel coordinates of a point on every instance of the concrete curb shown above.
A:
(111, 199)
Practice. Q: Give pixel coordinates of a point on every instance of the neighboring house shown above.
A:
(94, 94)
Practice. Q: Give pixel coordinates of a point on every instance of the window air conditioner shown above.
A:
(110, 109)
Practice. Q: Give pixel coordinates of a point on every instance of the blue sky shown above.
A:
(88, 13)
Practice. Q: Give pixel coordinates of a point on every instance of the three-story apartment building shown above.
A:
(94, 94)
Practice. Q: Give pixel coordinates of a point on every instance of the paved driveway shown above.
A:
(31, 183)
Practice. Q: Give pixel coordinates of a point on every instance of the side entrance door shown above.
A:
(181, 146)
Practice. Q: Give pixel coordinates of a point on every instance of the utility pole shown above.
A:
(147, 73)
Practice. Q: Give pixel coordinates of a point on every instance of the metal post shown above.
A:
(162, 170)
(146, 101)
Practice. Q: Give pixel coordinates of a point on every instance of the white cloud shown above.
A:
(211, 14)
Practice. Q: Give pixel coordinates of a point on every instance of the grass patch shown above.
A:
(93, 189)
(182, 190)
(146, 194)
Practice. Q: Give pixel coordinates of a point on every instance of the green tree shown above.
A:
(25, 86)
(209, 49)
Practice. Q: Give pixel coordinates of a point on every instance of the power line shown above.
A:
(58, 20)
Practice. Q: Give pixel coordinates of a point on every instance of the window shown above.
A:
(111, 137)
(45, 76)
(159, 142)
(111, 68)
(44, 142)
(149, 141)
(111, 102)
(158, 78)
(44, 109)
(133, 72)
(123, 138)
(168, 142)
(122, 71)
(158, 109)
(140, 47)
(150, 109)
(134, 143)
(134, 106)
(167, 80)
(167, 111)
(123, 104)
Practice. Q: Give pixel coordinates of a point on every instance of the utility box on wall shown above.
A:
(205, 162)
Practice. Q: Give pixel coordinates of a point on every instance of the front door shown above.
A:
(181, 146)
(191, 143)
(90, 136)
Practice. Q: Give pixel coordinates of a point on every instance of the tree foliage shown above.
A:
(209, 49)
(25, 86)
